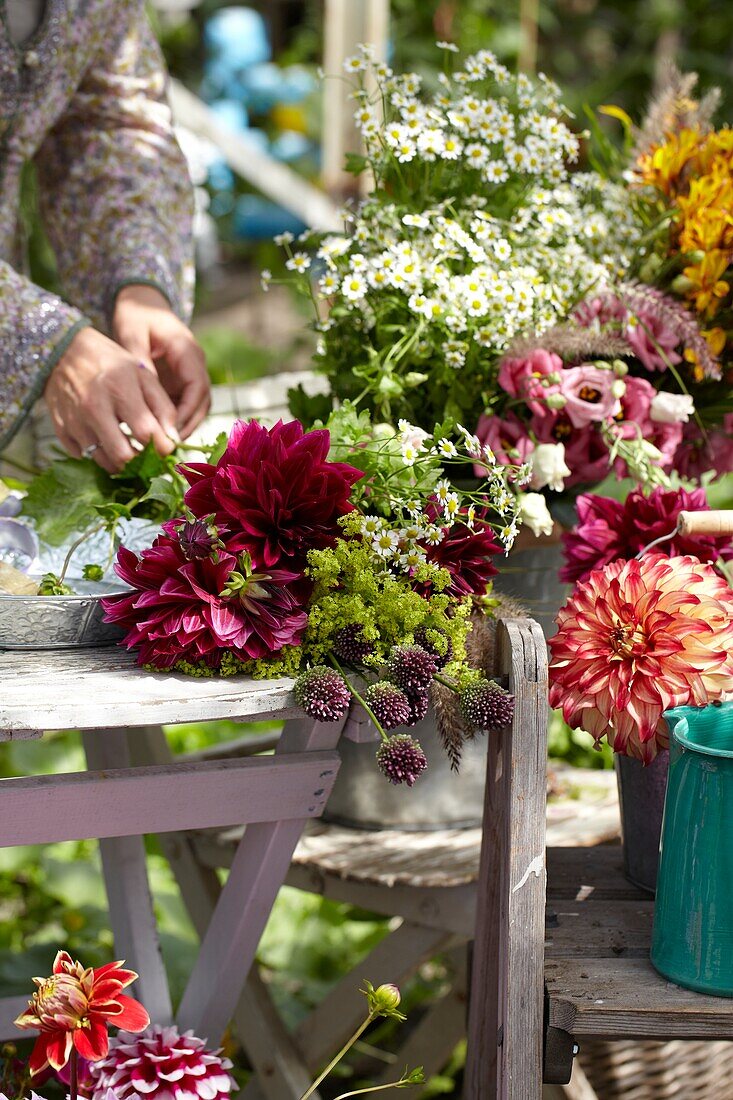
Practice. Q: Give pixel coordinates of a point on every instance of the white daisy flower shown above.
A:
(355, 64)
(450, 46)
(372, 525)
(299, 262)
(385, 544)
(447, 448)
(434, 535)
(354, 287)
(266, 279)
(443, 490)
(284, 238)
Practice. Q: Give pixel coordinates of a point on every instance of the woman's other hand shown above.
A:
(144, 324)
(95, 387)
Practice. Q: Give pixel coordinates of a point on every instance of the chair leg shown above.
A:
(128, 891)
(279, 1069)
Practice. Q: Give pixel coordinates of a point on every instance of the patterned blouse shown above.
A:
(84, 98)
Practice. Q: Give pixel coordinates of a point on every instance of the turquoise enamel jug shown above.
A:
(692, 942)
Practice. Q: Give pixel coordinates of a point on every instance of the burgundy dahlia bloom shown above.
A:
(275, 490)
(467, 553)
(608, 530)
(191, 611)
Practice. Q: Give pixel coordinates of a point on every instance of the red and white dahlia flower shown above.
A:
(637, 638)
(161, 1064)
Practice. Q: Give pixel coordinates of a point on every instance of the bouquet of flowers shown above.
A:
(344, 557)
(482, 279)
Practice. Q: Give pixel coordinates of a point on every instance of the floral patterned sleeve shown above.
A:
(35, 330)
(116, 197)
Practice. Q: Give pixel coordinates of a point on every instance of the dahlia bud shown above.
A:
(322, 693)
(401, 759)
(487, 706)
(198, 538)
(349, 644)
(388, 703)
(384, 1000)
(411, 667)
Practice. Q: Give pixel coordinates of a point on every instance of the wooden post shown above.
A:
(507, 988)
(347, 23)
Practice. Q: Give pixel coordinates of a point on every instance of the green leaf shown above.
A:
(355, 163)
(146, 465)
(63, 500)
(111, 512)
(308, 409)
(166, 492)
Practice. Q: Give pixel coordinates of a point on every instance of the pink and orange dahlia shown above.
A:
(276, 490)
(73, 1008)
(637, 638)
(194, 610)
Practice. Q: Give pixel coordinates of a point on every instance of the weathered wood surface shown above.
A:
(627, 999)
(257, 873)
(505, 1036)
(131, 912)
(104, 689)
(135, 801)
(597, 968)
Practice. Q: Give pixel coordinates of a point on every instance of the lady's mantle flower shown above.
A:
(637, 638)
(73, 1008)
(276, 489)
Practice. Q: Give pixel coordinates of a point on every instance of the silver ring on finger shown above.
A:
(87, 452)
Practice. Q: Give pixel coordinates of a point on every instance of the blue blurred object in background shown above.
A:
(238, 38)
(290, 145)
(231, 113)
(258, 219)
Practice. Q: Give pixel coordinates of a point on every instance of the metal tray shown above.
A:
(59, 622)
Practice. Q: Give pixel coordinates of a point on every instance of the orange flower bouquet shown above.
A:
(637, 638)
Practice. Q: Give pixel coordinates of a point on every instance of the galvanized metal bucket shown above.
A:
(442, 798)
(641, 791)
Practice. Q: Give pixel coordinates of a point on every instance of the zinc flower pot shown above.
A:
(531, 574)
(692, 941)
(641, 791)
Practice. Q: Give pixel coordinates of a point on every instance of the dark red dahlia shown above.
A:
(275, 490)
(467, 553)
(608, 530)
(192, 611)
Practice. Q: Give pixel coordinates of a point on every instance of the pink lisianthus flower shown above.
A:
(589, 395)
(600, 311)
(653, 340)
(275, 489)
(636, 419)
(608, 530)
(508, 438)
(586, 453)
(698, 453)
(522, 376)
(637, 638)
(191, 611)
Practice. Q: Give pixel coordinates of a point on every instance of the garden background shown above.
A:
(600, 52)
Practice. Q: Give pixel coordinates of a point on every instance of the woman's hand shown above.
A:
(144, 324)
(96, 386)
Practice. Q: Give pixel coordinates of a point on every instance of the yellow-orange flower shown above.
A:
(637, 638)
(706, 285)
(663, 165)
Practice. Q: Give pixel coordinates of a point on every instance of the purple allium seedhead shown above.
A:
(401, 759)
(389, 703)
(419, 705)
(322, 693)
(441, 659)
(486, 706)
(411, 667)
(349, 644)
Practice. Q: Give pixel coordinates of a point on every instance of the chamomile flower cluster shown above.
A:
(485, 236)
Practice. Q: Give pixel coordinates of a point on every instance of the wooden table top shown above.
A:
(597, 969)
(104, 688)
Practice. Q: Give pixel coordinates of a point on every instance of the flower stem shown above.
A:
(360, 699)
(445, 682)
(374, 1088)
(75, 546)
(74, 1074)
(344, 1050)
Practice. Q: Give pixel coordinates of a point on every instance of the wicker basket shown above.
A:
(651, 1070)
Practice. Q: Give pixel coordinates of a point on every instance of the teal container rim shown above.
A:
(677, 720)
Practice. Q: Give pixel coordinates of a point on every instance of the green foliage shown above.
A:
(73, 495)
(232, 358)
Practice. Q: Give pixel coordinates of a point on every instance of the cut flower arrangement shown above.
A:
(579, 318)
(344, 557)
